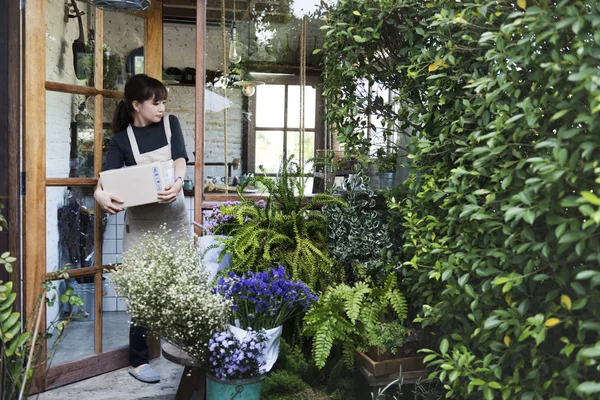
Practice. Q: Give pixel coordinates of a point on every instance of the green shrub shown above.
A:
(282, 385)
(501, 219)
(357, 236)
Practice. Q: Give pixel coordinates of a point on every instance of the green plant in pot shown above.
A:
(385, 163)
(285, 230)
(347, 315)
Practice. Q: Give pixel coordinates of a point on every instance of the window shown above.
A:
(274, 122)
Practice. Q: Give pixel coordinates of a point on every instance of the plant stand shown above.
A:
(193, 380)
(381, 373)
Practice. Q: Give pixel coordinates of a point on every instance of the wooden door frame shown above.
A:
(35, 88)
(10, 81)
(199, 127)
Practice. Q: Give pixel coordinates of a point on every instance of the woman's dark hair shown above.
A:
(138, 88)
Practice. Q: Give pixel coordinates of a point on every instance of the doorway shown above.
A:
(76, 60)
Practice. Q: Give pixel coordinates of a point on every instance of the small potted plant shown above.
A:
(235, 362)
(385, 163)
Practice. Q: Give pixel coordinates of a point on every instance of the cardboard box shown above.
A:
(138, 184)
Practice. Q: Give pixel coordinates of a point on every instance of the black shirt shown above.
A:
(149, 138)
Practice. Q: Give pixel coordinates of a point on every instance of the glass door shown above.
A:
(77, 59)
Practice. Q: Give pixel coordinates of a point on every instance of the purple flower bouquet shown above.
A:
(265, 300)
(233, 358)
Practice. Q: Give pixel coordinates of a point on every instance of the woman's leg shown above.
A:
(139, 353)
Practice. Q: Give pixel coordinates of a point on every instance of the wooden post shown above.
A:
(199, 140)
(153, 57)
(34, 163)
(153, 46)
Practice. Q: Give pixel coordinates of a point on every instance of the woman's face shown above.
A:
(149, 111)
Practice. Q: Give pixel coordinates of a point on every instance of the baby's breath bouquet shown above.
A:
(168, 292)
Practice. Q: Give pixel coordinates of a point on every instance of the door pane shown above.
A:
(70, 43)
(293, 114)
(76, 341)
(69, 135)
(69, 228)
(115, 320)
(123, 48)
(269, 150)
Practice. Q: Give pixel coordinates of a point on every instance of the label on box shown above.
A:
(169, 175)
(156, 178)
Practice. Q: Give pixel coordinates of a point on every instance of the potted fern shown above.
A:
(286, 230)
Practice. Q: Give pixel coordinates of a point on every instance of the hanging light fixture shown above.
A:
(248, 83)
(114, 5)
(235, 55)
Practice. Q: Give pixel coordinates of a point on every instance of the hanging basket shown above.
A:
(113, 5)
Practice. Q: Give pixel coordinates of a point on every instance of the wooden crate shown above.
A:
(389, 367)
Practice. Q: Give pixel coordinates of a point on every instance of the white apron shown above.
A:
(149, 217)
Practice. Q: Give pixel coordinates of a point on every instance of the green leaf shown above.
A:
(589, 387)
(586, 274)
(591, 197)
(571, 237)
(360, 39)
(444, 346)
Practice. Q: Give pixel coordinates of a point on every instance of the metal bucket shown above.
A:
(234, 389)
(387, 180)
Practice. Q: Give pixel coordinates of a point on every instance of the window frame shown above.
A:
(249, 163)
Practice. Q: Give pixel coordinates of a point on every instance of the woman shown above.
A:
(144, 134)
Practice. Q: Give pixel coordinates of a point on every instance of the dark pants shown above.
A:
(139, 353)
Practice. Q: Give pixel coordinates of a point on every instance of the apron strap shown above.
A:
(167, 128)
(134, 146)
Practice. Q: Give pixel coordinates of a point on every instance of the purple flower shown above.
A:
(265, 299)
(241, 358)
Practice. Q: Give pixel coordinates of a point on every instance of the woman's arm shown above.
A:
(107, 200)
(170, 193)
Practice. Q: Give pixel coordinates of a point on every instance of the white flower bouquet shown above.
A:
(168, 293)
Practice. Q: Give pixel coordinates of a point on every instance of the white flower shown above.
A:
(169, 292)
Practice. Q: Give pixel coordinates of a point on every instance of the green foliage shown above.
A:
(347, 315)
(389, 337)
(282, 385)
(357, 238)
(386, 160)
(286, 231)
(20, 349)
(502, 216)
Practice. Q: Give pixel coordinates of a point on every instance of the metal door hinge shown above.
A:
(23, 183)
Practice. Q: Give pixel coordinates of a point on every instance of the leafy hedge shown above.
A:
(501, 219)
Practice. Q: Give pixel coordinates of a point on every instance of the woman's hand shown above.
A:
(170, 193)
(107, 201)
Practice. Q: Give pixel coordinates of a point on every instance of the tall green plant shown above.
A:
(287, 230)
(502, 213)
(358, 239)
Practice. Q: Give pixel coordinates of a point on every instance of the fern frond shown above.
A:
(348, 350)
(398, 302)
(355, 300)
